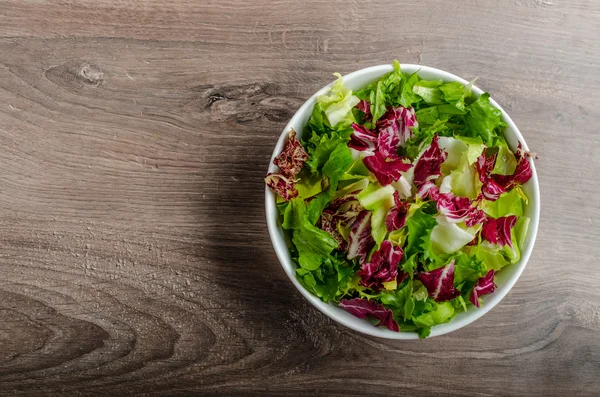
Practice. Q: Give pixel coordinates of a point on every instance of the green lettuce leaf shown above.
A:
(392, 85)
(484, 120)
(430, 91)
(313, 244)
(331, 280)
(308, 185)
(442, 313)
(357, 170)
(475, 148)
(427, 116)
(400, 301)
(378, 226)
(418, 225)
(488, 254)
(378, 199)
(354, 286)
(464, 180)
(432, 255)
(317, 122)
(467, 268)
(410, 265)
(454, 93)
(338, 163)
(509, 203)
(423, 136)
(408, 97)
(449, 237)
(455, 148)
(520, 229)
(338, 103)
(355, 185)
(395, 88)
(377, 99)
(375, 195)
(506, 163)
(321, 148)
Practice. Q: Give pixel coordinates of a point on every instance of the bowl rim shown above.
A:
(363, 326)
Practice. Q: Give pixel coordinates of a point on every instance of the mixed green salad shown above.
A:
(402, 200)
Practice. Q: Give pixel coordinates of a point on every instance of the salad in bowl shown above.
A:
(402, 202)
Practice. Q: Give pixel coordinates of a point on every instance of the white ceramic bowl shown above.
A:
(505, 279)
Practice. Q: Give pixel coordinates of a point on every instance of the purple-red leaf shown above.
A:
(428, 190)
(346, 208)
(397, 123)
(459, 209)
(387, 143)
(340, 201)
(429, 165)
(522, 172)
(493, 184)
(382, 268)
(281, 185)
(361, 240)
(292, 157)
(362, 138)
(290, 161)
(396, 216)
(440, 283)
(497, 230)
(525, 153)
(485, 285)
(490, 189)
(365, 107)
(328, 222)
(386, 170)
(363, 308)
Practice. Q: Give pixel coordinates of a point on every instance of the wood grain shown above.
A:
(134, 257)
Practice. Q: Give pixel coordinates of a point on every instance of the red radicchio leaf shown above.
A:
(281, 185)
(363, 308)
(494, 185)
(362, 138)
(361, 240)
(292, 157)
(490, 190)
(428, 190)
(476, 217)
(396, 122)
(429, 165)
(497, 231)
(396, 216)
(386, 170)
(290, 161)
(337, 203)
(459, 209)
(346, 208)
(440, 283)
(485, 285)
(349, 212)
(522, 172)
(328, 222)
(387, 143)
(522, 152)
(484, 166)
(365, 107)
(383, 266)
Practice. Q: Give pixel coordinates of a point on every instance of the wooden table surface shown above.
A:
(134, 255)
